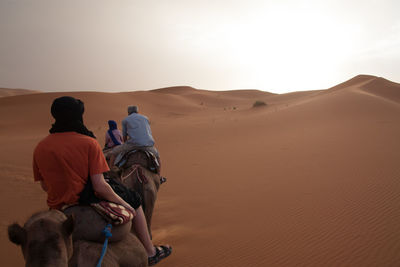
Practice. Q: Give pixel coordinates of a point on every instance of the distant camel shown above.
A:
(47, 240)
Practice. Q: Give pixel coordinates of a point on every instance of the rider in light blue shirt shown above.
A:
(136, 133)
(136, 129)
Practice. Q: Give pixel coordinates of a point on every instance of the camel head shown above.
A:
(45, 239)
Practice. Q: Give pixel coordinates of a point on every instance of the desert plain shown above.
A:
(310, 179)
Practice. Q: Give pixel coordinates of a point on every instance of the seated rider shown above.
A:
(113, 135)
(69, 156)
(137, 135)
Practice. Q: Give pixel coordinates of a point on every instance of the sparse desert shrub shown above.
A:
(259, 103)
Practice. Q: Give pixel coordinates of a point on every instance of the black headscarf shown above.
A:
(68, 113)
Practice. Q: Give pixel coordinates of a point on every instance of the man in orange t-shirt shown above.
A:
(70, 157)
(77, 155)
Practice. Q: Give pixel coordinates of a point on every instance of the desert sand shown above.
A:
(311, 179)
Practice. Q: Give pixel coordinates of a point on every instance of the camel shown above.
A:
(126, 253)
(136, 175)
(88, 225)
(51, 238)
(45, 239)
(124, 248)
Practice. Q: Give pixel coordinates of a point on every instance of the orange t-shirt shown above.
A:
(64, 161)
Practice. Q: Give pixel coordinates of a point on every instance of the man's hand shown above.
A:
(131, 209)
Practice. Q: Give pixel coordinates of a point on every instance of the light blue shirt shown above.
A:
(137, 127)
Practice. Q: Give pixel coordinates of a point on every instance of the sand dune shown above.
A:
(383, 88)
(311, 179)
(11, 92)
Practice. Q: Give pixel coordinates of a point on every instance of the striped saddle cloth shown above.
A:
(113, 213)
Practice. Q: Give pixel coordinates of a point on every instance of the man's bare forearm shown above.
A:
(104, 191)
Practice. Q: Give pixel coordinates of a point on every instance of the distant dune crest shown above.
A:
(372, 85)
(177, 90)
(362, 80)
(383, 88)
(369, 83)
(12, 92)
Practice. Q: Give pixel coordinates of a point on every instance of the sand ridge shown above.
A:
(311, 179)
(5, 92)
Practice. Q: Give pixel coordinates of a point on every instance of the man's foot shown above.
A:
(163, 179)
(161, 253)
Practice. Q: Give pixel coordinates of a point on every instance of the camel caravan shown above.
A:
(108, 222)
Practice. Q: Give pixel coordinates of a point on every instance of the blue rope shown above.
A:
(107, 233)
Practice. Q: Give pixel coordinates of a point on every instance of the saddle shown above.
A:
(142, 157)
(112, 212)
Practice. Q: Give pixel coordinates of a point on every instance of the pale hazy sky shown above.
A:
(276, 45)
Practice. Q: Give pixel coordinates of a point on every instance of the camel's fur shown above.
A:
(127, 253)
(45, 239)
(55, 228)
(148, 191)
(89, 225)
(129, 177)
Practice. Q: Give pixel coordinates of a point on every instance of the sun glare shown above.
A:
(289, 44)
